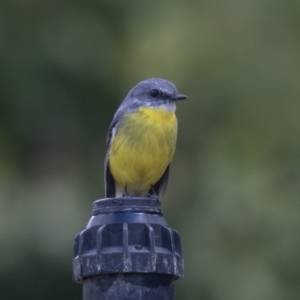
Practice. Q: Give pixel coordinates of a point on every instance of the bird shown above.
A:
(141, 141)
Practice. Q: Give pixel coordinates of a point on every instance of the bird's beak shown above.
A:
(180, 97)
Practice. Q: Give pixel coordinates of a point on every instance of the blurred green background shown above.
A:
(234, 189)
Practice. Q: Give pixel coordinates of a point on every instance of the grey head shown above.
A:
(152, 92)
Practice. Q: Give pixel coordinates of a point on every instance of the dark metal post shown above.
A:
(128, 252)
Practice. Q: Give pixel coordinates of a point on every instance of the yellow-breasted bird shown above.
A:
(141, 140)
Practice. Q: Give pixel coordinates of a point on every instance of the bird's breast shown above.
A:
(143, 146)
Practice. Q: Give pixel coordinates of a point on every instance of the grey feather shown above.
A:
(109, 182)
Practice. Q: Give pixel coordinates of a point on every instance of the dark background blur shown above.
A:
(234, 189)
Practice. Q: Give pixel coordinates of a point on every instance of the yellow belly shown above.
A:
(142, 149)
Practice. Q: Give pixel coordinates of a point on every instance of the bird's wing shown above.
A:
(161, 185)
(109, 182)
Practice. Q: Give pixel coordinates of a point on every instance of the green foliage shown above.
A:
(234, 187)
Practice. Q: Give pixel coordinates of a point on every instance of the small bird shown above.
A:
(141, 140)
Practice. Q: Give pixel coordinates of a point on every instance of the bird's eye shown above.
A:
(154, 93)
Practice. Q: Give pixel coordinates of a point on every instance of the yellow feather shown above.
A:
(142, 149)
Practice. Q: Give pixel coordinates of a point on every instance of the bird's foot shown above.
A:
(152, 197)
(125, 193)
(152, 191)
